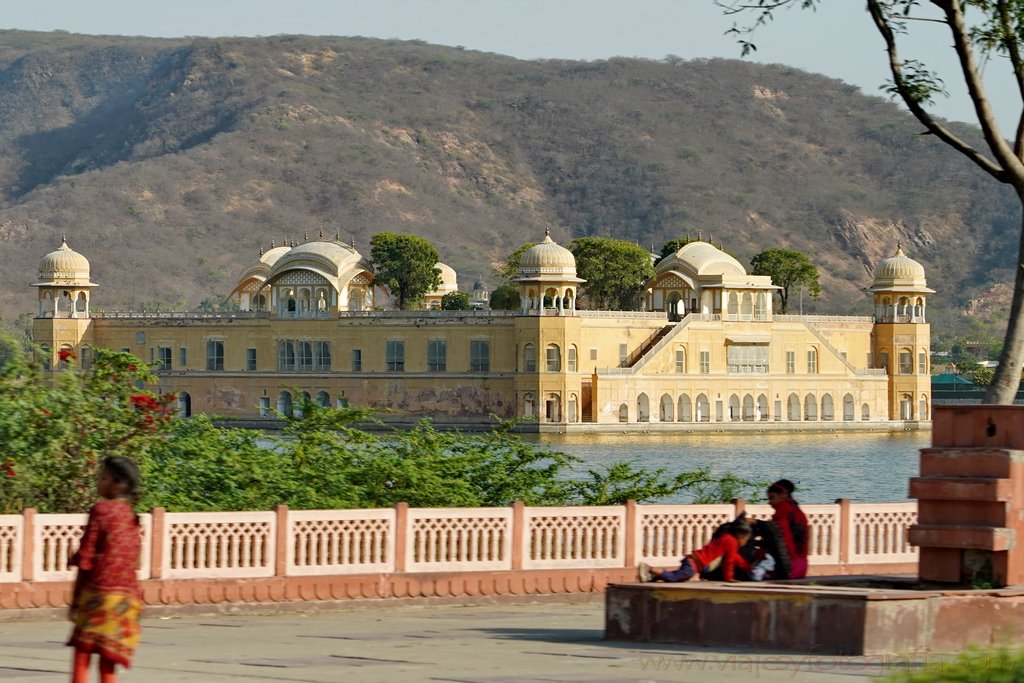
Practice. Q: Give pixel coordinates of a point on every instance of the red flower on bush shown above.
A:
(66, 355)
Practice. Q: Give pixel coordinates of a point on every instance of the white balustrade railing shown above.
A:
(467, 539)
(340, 542)
(559, 537)
(12, 529)
(203, 545)
(218, 544)
(878, 532)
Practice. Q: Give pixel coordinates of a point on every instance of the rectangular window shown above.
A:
(922, 363)
(395, 356)
(182, 357)
(812, 361)
(140, 337)
(906, 363)
(883, 360)
(305, 356)
(479, 356)
(437, 355)
(164, 359)
(593, 354)
(357, 360)
(705, 362)
(870, 360)
(680, 360)
(264, 406)
(571, 359)
(790, 362)
(152, 356)
(322, 355)
(623, 354)
(214, 355)
(747, 359)
(286, 355)
(250, 359)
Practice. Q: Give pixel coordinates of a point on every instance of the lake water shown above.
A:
(864, 467)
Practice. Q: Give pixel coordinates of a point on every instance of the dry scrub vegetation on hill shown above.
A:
(169, 162)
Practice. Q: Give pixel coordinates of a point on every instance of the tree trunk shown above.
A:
(1006, 380)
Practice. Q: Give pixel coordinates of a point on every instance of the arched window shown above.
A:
(747, 307)
(570, 359)
(922, 408)
(848, 408)
(761, 307)
(260, 302)
(553, 408)
(184, 404)
(734, 304)
(285, 355)
(906, 359)
(65, 356)
(793, 408)
(748, 408)
(865, 412)
(685, 414)
(734, 407)
(85, 361)
(810, 407)
(906, 407)
(529, 358)
(553, 356)
(667, 413)
(643, 408)
(623, 413)
(827, 408)
(762, 408)
(529, 405)
(284, 403)
(323, 399)
(571, 415)
(82, 304)
(703, 409)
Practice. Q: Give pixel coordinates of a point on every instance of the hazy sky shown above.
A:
(838, 40)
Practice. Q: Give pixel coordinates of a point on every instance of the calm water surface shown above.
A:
(868, 467)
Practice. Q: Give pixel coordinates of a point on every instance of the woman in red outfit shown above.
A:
(106, 602)
(792, 523)
(724, 548)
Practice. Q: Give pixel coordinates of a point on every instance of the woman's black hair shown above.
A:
(125, 472)
(783, 486)
(739, 528)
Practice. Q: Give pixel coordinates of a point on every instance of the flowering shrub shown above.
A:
(57, 427)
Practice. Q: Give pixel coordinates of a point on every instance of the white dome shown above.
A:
(547, 259)
(64, 264)
(900, 272)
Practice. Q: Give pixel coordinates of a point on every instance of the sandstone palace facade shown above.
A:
(707, 351)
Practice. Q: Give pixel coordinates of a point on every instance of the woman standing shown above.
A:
(792, 523)
(106, 602)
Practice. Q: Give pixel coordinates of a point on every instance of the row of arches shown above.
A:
(64, 305)
(559, 299)
(903, 310)
(550, 409)
(746, 408)
(552, 358)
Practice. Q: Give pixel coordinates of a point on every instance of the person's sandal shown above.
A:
(643, 573)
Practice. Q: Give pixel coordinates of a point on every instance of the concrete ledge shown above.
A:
(866, 616)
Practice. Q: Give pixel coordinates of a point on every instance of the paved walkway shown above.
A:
(543, 643)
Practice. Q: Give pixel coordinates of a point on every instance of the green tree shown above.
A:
(979, 31)
(505, 298)
(406, 265)
(786, 267)
(981, 376)
(615, 271)
(56, 428)
(455, 301)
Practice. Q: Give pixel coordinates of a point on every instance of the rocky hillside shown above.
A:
(170, 162)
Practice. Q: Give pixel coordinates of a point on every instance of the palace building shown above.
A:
(707, 351)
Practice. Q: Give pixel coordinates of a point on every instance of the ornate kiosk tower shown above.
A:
(901, 336)
(62, 321)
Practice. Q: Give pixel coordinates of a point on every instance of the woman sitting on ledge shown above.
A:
(722, 551)
(792, 522)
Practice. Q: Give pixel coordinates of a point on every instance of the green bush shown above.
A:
(999, 665)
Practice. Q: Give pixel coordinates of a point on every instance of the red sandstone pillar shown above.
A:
(844, 530)
(631, 535)
(518, 526)
(281, 538)
(28, 544)
(156, 543)
(401, 533)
